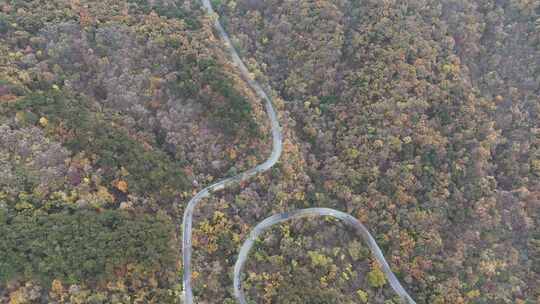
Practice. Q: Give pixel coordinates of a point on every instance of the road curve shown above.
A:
(277, 147)
(282, 217)
(277, 143)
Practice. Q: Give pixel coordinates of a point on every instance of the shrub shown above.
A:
(376, 278)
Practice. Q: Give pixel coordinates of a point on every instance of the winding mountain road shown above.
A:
(277, 143)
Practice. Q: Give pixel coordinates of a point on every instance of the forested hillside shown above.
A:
(111, 114)
(421, 118)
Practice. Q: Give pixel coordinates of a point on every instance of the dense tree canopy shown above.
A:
(419, 117)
